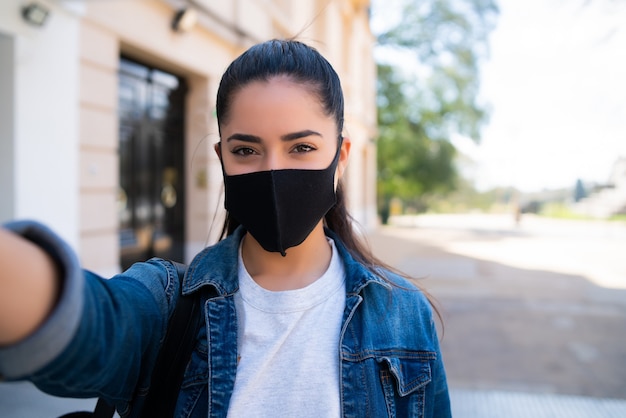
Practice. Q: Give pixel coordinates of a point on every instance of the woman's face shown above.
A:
(278, 124)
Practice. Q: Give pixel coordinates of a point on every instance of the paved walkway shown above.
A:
(499, 404)
(22, 400)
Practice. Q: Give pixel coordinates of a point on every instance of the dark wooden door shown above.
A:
(151, 151)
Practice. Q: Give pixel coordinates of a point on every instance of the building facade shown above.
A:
(107, 120)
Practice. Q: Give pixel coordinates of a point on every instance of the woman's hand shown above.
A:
(29, 286)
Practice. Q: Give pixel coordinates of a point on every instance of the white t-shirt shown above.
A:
(288, 354)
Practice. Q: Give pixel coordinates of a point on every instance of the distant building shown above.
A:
(609, 199)
(107, 119)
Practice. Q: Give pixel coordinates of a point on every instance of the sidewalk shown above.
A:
(22, 400)
(498, 404)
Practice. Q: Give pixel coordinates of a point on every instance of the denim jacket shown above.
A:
(104, 335)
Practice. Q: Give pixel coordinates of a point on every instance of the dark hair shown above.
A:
(294, 59)
(307, 66)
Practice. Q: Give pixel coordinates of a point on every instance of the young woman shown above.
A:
(299, 319)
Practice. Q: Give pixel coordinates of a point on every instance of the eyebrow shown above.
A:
(287, 137)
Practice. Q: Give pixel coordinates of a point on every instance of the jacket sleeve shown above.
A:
(103, 335)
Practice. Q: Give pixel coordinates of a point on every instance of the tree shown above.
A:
(579, 191)
(418, 114)
(411, 164)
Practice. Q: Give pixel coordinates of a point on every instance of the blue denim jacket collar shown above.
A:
(217, 266)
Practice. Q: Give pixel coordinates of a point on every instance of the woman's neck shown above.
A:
(302, 265)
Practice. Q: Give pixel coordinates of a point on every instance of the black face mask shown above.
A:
(280, 208)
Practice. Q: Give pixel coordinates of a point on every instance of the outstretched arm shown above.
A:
(54, 314)
(29, 285)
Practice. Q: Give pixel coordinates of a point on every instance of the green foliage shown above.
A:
(418, 115)
(618, 218)
(411, 163)
(465, 198)
(561, 211)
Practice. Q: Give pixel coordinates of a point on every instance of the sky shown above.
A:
(555, 81)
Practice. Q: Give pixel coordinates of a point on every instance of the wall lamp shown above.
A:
(35, 14)
(184, 20)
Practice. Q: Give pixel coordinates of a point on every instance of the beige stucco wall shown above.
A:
(98, 142)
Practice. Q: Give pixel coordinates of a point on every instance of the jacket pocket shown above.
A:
(404, 382)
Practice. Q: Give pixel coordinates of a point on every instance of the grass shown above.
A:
(618, 218)
(562, 211)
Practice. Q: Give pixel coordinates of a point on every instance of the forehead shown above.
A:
(281, 88)
(278, 99)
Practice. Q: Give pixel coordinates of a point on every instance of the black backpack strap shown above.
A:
(171, 361)
(174, 355)
(103, 409)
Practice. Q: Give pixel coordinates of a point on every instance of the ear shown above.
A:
(344, 153)
(218, 150)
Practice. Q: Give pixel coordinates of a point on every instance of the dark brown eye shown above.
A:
(301, 148)
(243, 151)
